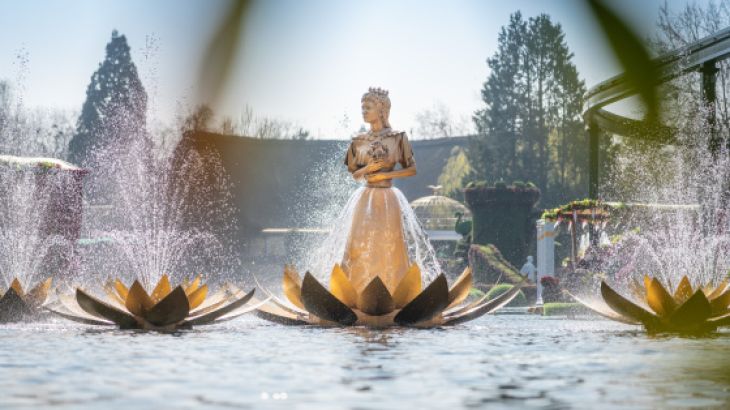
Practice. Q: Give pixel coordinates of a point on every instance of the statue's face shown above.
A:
(370, 112)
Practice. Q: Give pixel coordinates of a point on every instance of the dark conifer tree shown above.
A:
(114, 113)
(531, 128)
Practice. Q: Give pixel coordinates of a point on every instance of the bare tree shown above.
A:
(262, 127)
(437, 122)
(227, 126)
(36, 132)
(683, 26)
(199, 119)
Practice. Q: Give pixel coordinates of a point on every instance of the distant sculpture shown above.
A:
(528, 269)
(462, 227)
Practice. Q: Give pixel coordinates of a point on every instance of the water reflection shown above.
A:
(495, 362)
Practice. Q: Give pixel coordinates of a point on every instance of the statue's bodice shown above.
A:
(392, 147)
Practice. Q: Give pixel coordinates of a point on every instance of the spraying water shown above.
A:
(693, 237)
(170, 215)
(39, 221)
(331, 204)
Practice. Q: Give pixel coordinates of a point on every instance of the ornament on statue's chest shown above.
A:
(378, 151)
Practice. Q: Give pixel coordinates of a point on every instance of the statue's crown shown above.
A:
(378, 91)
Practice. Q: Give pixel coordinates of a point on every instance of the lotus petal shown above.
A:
(60, 310)
(428, 304)
(12, 307)
(274, 314)
(723, 320)
(720, 303)
(208, 309)
(17, 287)
(341, 287)
(459, 292)
(601, 308)
(97, 308)
(213, 302)
(39, 293)
(275, 300)
(693, 312)
(112, 294)
(320, 302)
(210, 317)
(193, 286)
(626, 308)
(170, 310)
(280, 303)
(636, 289)
(659, 300)
(292, 285)
(464, 308)
(684, 290)
(240, 311)
(375, 299)
(121, 289)
(196, 298)
(409, 287)
(69, 303)
(161, 290)
(484, 308)
(719, 290)
(138, 302)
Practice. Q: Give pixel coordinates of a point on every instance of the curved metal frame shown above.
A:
(701, 55)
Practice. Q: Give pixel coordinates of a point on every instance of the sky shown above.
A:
(306, 62)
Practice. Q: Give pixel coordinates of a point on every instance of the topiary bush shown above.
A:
(489, 266)
(564, 309)
(518, 301)
(476, 293)
(503, 215)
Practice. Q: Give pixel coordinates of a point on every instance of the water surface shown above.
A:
(509, 361)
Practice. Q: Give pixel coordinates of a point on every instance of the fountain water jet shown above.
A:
(39, 225)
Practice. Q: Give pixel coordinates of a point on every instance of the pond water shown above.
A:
(504, 361)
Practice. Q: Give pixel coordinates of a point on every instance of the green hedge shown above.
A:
(519, 300)
(476, 292)
(502, 215)
(564, 309)
(490, 266)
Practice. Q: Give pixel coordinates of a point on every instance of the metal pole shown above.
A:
(593, 166)
(709, 97)
(545, 254)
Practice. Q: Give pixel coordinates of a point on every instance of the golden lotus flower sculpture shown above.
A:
(165, 308)
(687, 310)
(375, 306)
(16, 304)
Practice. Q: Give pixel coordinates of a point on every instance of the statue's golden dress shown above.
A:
(376, 245)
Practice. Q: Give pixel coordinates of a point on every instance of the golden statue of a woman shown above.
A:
(386, 261)
(376, 245)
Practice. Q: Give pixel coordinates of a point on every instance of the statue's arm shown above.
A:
(369, 169)
(400, 173)
(360, 173)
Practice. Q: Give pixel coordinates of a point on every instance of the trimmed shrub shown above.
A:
(490, 266)
(503, 215)
(476, 293)
(564, 309)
